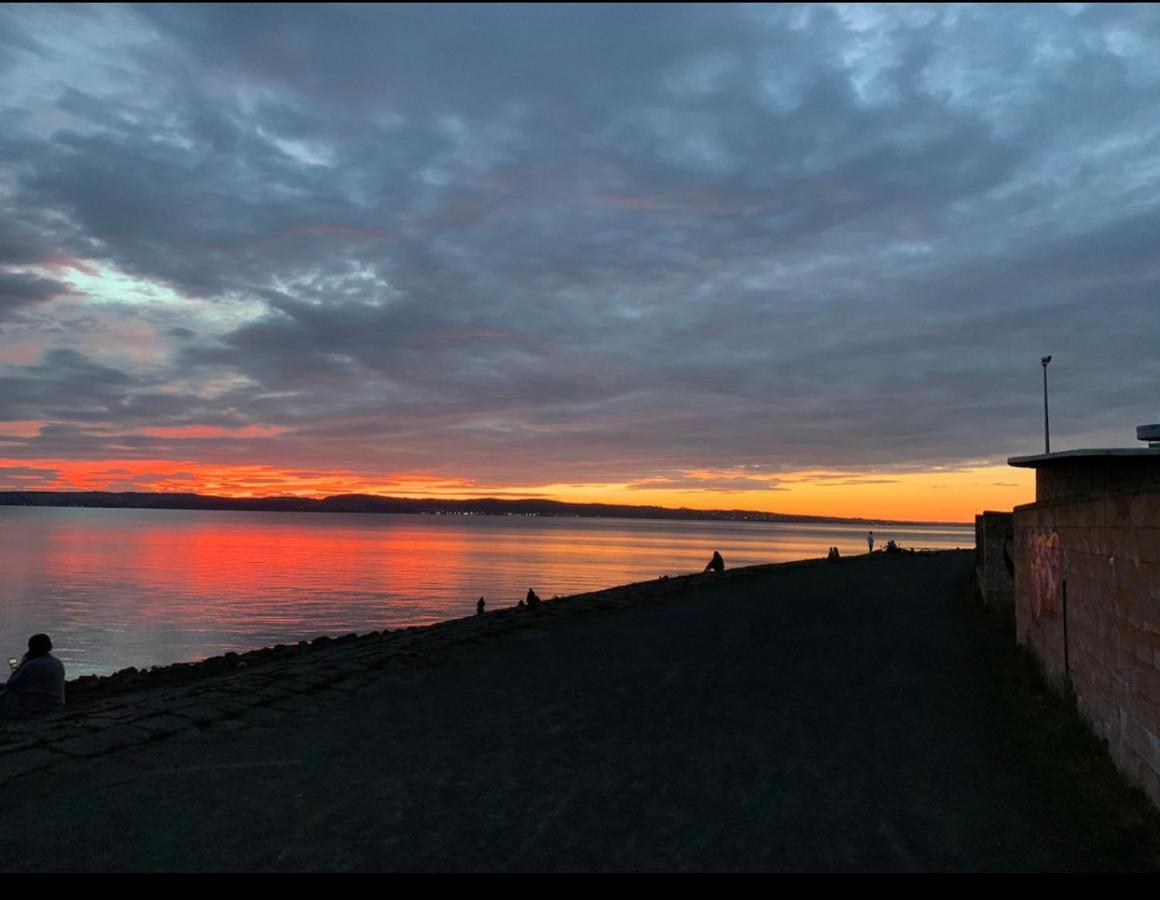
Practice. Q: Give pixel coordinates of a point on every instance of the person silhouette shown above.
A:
(479, 607)
(870, 541)
(716, 564)
(36, 685)
(533, 599)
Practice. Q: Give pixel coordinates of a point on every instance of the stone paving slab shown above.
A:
(351, 684)
(261, 714)
(308, 678)
(15, 746)
(202, 713)
(100, 742)
(164, 724)
(27, 760)
(232, 706)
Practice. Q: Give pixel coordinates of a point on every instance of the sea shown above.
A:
(128, 587)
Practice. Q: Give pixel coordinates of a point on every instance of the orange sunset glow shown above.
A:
(954, 496)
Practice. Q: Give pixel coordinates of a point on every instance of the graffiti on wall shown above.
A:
(1046, 573)
(1009, 550)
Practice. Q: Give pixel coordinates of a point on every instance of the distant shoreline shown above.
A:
(366, 503)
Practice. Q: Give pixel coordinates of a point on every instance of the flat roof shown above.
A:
(1041, 459)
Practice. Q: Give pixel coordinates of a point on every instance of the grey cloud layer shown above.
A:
(594, 243)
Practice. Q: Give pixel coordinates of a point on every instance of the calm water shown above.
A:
(126, 587)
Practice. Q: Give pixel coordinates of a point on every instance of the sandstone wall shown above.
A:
(1087, 602)
(995, 556)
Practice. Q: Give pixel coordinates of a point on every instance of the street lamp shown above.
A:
(1046, 432)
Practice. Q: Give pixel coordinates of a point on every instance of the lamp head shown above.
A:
(1044, 361)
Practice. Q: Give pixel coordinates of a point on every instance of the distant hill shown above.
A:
(367, 503)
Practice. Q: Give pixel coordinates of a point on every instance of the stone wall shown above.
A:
(995, 556)
(1082, 477)
(1087, 602)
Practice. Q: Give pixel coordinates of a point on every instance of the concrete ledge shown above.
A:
(1039, 459)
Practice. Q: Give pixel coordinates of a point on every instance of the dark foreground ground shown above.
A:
(808, 718)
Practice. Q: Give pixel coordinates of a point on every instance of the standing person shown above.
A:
(870, 541)
(479, 607)
(36, 686)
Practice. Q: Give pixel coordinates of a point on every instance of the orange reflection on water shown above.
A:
(143, 587)
(275, 571)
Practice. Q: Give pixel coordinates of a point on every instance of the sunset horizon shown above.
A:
(799, 494)
(799, 259)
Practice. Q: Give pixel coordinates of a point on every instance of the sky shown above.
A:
(795, 259)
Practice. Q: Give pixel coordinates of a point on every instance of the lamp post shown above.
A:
(1046, 431)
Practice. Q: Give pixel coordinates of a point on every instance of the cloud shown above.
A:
(578, 244)
(19, 289)
(859, 482)
(723, 483)
(23, 478)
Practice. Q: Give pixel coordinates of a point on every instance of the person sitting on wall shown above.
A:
(533, 599)
(716, 564)
(833, 554)
(36, 685)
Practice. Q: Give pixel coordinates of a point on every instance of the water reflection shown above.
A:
(147, 587)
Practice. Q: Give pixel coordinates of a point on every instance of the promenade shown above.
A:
(803, 717)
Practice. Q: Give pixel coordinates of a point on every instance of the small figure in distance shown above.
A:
(833, 554)
(36, 685)
(870, 541)
(891, 547)
(533, 599)
(716, 564)
(479, 607)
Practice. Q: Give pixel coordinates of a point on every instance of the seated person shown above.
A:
(716, 564)
(36, 686)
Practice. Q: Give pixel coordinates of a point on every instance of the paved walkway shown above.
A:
(817, 717)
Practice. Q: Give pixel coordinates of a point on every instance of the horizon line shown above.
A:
(692, 511)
